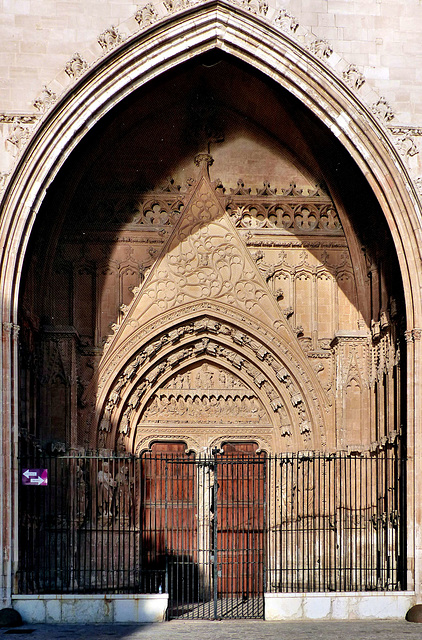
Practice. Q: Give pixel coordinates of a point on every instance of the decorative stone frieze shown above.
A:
(27, 119)
(257, 7)
(404, 130)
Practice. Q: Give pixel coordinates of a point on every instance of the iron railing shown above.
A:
(214, 532)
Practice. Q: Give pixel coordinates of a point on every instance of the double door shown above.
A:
(204, 527)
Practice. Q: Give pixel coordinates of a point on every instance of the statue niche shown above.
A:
(205, 394)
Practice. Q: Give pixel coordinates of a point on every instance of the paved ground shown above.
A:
(227, 630)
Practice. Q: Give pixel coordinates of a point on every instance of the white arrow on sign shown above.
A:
(38, 480)
(29, 474)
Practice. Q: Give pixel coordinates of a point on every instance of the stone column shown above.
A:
(205, 484)
(414, 462)
(8, 461)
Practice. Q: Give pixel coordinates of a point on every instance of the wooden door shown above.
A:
(169, 531)
(240, 527)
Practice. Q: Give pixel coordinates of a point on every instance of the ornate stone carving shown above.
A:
(353, 76)
(407, 146)
(76, 66)
(321, 48)
(257, 7)
(405, 130)
(205, 265)
(147, 15)
(8, 327)
(286, 21)
(408, 335)
(45, 100)
(19, 136)
(109, 39)
(204, 260)
(8, 118)
(177, 5)
(383, 110)
(290, 210)
(205, 395)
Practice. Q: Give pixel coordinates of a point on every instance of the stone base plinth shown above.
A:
(338, 606)
(91, 608)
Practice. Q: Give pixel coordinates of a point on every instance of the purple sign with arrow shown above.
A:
(36, 477)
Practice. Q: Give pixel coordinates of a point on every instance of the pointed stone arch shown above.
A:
(132, 64)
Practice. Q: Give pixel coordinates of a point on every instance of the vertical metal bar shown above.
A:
(215, 534)
(264, 534)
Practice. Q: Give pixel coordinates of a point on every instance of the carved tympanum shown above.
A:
(205, 395)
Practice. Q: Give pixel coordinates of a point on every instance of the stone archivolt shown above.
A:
(244, 368)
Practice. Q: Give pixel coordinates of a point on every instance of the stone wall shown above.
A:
(375, 44)
(381, 37)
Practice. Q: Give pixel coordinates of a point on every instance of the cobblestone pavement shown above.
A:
(225, 630)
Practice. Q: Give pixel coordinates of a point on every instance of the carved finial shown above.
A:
(204, 161)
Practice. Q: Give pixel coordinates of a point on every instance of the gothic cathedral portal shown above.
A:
(211, 357)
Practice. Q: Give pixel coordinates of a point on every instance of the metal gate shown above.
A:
(216, 531)
(207, 517)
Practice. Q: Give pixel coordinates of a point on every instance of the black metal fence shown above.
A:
(214, 532)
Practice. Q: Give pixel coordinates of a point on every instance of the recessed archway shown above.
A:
(174, 42)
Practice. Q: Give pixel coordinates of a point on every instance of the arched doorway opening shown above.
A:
(252, 297)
